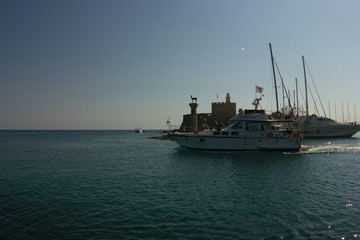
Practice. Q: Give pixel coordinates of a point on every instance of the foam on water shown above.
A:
(333, 147)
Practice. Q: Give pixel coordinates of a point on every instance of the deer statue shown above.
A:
(193, 98)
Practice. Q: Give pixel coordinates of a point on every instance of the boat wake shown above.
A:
(331, 147)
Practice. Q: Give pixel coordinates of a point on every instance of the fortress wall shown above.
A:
(222, 112)
(202, 118)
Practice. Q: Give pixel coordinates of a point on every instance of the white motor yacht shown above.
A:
(323, 127)
(249, 130)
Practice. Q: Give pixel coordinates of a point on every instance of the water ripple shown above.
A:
(118, 185)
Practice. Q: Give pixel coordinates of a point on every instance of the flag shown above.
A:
(259, 89)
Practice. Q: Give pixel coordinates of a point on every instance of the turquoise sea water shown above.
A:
(122, 185)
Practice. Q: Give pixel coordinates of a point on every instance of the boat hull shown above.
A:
(329, 132)
(322, 127)
(233, 143)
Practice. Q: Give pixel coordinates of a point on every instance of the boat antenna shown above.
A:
(273, 67)
(306, 95)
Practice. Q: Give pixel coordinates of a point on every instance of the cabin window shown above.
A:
(254, 126)
(234, 133)
(237, 125)
(224, 133)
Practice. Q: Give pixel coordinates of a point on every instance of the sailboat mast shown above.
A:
(273, 67)
(294, 99)
(342, 106)
(355, 113)
(283, 97)
(335, 113)
(348, 111)
(297, 96)
(306, 94)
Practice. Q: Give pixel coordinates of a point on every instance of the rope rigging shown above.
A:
(317, 92)
(282, 82)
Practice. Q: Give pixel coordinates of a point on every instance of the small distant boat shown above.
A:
(138, 130)
(249, 130)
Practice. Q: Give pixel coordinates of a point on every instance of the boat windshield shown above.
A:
(237, 125)
(254, 126)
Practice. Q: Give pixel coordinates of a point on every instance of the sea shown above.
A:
(126, 185)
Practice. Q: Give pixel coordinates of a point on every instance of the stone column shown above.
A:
(193, 107)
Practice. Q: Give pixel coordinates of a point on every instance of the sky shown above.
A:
(122, 64)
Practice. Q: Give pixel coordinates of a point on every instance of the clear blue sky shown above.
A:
(121, 64)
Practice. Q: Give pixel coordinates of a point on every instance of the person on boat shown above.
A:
(219, 126)
(205, 126)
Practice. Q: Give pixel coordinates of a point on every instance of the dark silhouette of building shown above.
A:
(221, 114)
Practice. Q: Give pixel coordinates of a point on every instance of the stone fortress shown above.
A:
(221, 114)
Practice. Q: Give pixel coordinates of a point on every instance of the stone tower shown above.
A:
(224, 111)
(228, 98)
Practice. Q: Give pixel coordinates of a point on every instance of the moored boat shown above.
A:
(250, 130)
(323, 127)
